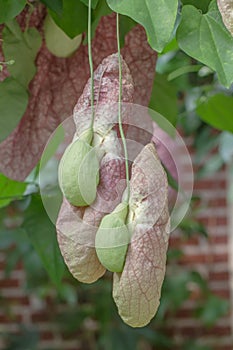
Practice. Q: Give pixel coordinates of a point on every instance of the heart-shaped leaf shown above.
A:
(217, 111)
(93, 3)
(158, 18)
(73, 20)
(204, 37)
(10, 8)
(10, 190)
(13, 103)
(22, 47)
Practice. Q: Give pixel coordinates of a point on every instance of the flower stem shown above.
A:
(120, 111)
(91, 64)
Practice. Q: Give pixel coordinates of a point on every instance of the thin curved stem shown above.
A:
(120, 111)
(91, 64)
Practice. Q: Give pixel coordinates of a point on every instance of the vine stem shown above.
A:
(91, 64)
(120, 110)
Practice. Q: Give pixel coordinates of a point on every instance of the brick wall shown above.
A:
(212, 257)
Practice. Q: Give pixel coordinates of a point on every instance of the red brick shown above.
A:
(9, 283)
(23, 300)
(214, 221)
(194, 259)
(220, 257)
(204, 258)
(46, 335)
(218, 202)
(219, 276)
(218, 239)
(206, 184)
(184, 313)
(201, 331)
(223, 331)
(12, 318)
(223, 293)
(181, 241)
(40, 317)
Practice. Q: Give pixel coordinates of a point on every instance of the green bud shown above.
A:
(10, 63)
(112, 239)
(78, 172)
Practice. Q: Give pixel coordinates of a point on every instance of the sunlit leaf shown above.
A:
(10, 190)
(158, 18)
(22, 47)
(217, 111)
(212, 309)
(204, 37)
(10, 8)
(202, 5)
(73, 20)
(54, 5)
(13, 104)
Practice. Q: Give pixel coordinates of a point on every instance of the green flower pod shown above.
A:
(78, 172)
(112, 239)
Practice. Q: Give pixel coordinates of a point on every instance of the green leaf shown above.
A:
(158, 18)
(175, 290)
(212, 309)
(201, 5)
(13, 104)
(200, 281)
(126, 24)
(184, 70)
(171, 181)
(164, 98)
(73, 20)
(10, 190)
(102, 9)
(171, 46)
(93, 3)
(42, 234)
(22, 48)
(54, 5)
(204, 37)
(57, 41)
(10, 8)
(217, 111)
